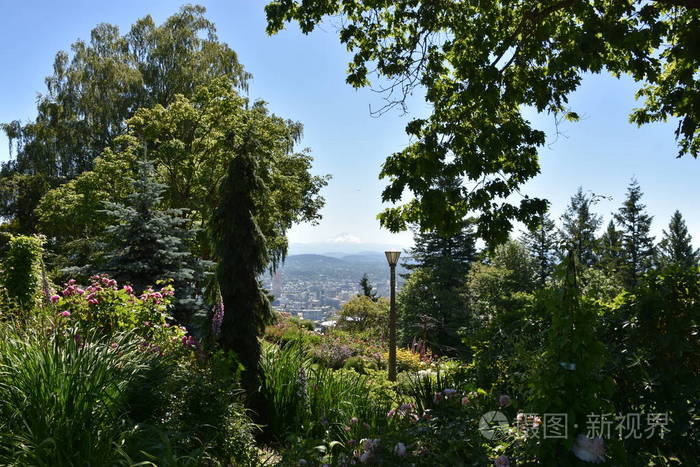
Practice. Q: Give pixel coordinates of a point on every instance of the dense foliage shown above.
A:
(146, 162)
(481, 63)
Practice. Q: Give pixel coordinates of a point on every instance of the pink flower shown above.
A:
(465, 400)
(65, 314)
(128, 289)
(71, 282)
(501, 461)
(54, 298)
(93, 301)
(504, 400)
(147, 323)
(79, 291)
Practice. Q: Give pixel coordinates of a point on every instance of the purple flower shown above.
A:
(400, 449)
(501, 461)
(217, 319)
(54, 298)
(65, 314)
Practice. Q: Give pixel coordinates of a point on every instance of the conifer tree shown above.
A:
(676, 247)
(242, 253)
(610, 250)
(432, 303)
(541, 244)
(579, 226)
(637, 243)
(367, 288)
(145, 244)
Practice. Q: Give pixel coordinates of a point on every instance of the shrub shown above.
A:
(406, 360)
(196, 417)
(62, 399)
(308, 400)
(362, 315)
(105, 308)
(22, 276)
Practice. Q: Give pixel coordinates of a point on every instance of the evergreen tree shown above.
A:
(434, 300)
(242, 252)
(610, 251)
(541, 244)
(637, 243)
(367, 288)
(145, 244)
(676, 247)
(579, 226)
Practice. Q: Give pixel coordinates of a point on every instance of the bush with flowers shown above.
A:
(108, 308)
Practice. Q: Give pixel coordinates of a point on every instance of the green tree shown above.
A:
(242, 252)
(190, 143)
(365, 315)
(676, 247)
(653, 335)
(637, 243)
(146, 244)
(513, 257)
(541, 244)
(367, 288)
(579, 226)
(434, 299)
(609, 251)
(481, 64)
(94, 91)
(568, 377)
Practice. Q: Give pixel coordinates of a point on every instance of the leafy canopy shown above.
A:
(190, 143)
(480, 64)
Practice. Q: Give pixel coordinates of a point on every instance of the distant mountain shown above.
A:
(348, 268)
(338, 250)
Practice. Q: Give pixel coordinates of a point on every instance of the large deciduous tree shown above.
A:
(480, 64)
(190, 143)
(95, 89)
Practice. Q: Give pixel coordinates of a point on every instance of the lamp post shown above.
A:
(392, 257)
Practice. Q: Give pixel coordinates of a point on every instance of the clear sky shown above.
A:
(303, 78)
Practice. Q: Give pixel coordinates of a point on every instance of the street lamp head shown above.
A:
(392, 257)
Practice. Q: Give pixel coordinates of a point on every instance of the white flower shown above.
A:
(589, 450)
(400, 449)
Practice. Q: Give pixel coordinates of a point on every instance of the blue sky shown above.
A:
(303, 78)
